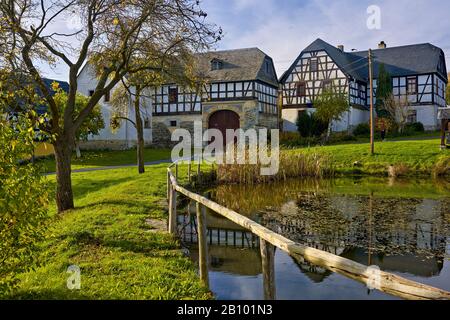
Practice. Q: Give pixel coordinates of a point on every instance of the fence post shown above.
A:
(168, 187)
(173, 211)
(202, 243)
(268, 269)
(189, 171)
(198, 170)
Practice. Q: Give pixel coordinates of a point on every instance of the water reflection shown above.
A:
(403, 227)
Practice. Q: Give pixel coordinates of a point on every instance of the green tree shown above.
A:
(23, 190)
(91, 125)
(133, 91)
(110, 34)
(331, 106)
(384, 90)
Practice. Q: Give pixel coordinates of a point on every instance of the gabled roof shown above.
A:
(399, 61)
(237, 65)
(405, 60)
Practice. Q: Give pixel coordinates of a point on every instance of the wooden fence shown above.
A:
(370, 276)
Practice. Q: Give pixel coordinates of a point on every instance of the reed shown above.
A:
(291, 165)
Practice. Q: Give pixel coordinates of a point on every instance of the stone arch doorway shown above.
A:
(223, 120)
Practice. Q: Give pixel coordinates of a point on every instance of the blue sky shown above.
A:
(282, 28)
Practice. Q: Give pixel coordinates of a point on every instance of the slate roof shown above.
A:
(399, 61)
(237, 65)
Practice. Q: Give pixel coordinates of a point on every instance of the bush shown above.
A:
(294, 139)
(414, 127)
(362, 129)
(309, 126)
(341, 137)
(23, 202)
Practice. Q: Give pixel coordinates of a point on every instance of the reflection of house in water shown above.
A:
(231, 248)
(399, 235)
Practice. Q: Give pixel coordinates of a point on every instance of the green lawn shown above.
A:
(114, 235)
(419, 155)
(95, 159)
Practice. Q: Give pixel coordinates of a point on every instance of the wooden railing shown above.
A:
(370, 276)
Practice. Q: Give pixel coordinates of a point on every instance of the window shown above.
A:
(326, 84)
(314, 65)
(301, 89)
(362, 91)
(173, 123)
(267, 67)
(412, 85)
(91, 93)
(107, 96)
(216, 64)
(412, 116)
(173, 95)
(147, 123)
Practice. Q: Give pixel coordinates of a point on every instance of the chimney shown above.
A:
(382, 45)
(341, 47)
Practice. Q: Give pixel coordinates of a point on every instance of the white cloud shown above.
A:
(283, 28)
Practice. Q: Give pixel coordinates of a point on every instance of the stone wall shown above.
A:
(162, 129)
(247, 111)
(269, 121)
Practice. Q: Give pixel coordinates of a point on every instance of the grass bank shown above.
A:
(116, 236)
(96, 159)
(421, 157)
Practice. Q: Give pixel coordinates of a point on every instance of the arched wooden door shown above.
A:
(223, 120)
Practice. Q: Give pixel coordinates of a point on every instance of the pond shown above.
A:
(402, 226)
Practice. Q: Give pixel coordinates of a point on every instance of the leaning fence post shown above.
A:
(202, 243)
(173, 211)
(268, 269)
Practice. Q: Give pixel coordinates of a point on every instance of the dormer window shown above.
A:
(267, 67)
(216, 64)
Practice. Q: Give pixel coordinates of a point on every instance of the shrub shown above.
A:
(304, 124)
(308, 125)
(294, 139)
(23, 201)
(415, 127)
(341, 137)
(362, 129)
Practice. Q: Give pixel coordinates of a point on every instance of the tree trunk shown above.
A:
(64, 194)
(77, 150)
(139, 131)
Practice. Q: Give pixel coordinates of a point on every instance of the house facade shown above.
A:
(418, 72)
(125, 136)
(240, 91)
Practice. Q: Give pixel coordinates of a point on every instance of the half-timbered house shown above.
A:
(241, 91)
(418, 72)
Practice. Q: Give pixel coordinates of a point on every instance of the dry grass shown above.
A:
(442, 167)
(291, 165)
(398, 170)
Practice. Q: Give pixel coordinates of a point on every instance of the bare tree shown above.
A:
(109, 34)
(398, 108)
